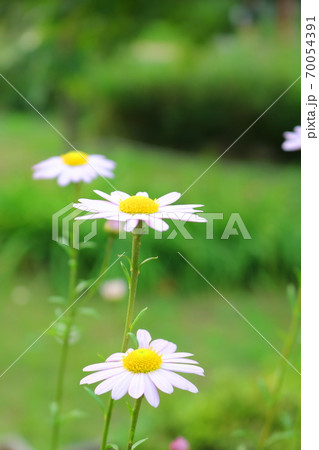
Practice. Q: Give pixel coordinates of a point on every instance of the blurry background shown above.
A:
(163, 89)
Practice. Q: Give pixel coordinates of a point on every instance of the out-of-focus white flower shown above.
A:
(132, 209)
(113, 290)
(141, 372)
(179, 443)
(73, 167)
(292, 140)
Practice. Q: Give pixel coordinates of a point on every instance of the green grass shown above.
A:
(235, 359)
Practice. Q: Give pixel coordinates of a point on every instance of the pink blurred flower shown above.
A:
(292, 140)
(180, 443)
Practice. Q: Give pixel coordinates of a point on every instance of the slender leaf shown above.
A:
(88, 244)
(96, 398)
(89, 312)
(74, 414)
(129, 408)
(134, 339)
(126, 272)
(101, 357)
(82, 285)
(152, 258)
(138, 443)
(138, 317)
(56, 299)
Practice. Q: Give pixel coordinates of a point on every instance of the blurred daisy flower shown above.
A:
(73, 167)
(141, 372)
(292, 140)
(132, 209)
(179, 443)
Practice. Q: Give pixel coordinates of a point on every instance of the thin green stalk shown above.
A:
(134, 418)
(136, 243)
(73, 269)
(73, 263)
(291, 336)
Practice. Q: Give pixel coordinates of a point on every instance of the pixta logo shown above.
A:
(66, 230)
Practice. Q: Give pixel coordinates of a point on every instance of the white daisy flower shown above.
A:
(73, 167)
(292, 140)
(132, 209)
(141, 372)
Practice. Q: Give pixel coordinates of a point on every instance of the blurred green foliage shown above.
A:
(265, 195)
(184, 74)
(227, 413)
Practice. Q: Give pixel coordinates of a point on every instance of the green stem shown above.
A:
(73, 263)
(291, 336)
(107, 418)
(134, 418)
(136, 244)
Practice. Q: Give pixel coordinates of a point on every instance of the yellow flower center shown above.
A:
(75, 158)
(137, 204)
(142, 360)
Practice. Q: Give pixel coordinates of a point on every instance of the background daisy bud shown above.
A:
(113, 227)
(180, 443)
(113, 290)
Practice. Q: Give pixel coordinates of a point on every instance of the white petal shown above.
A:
(177, 355)
(115, 357)
(76, 173)
(104, 195)
(93, 216)
(97, 205)
(48, 172)
(161, 382)
(178, 381)
(142, 194)
(157, 223)
(291, 145)
(97, 376)
(168, 198)
(65, 178)
(50, 162)
(106, 173)
(179, 208)
(137, 385)
(143, 338)
(151, 393)
(118, 196)
(130, 225)
(180, 360)
(185, 217)
(163, 346)
(98, 366)
(101, 161)
(122, 385)
(183, 368)
(106, 385)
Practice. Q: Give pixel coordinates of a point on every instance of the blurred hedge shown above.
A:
(186, 77)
